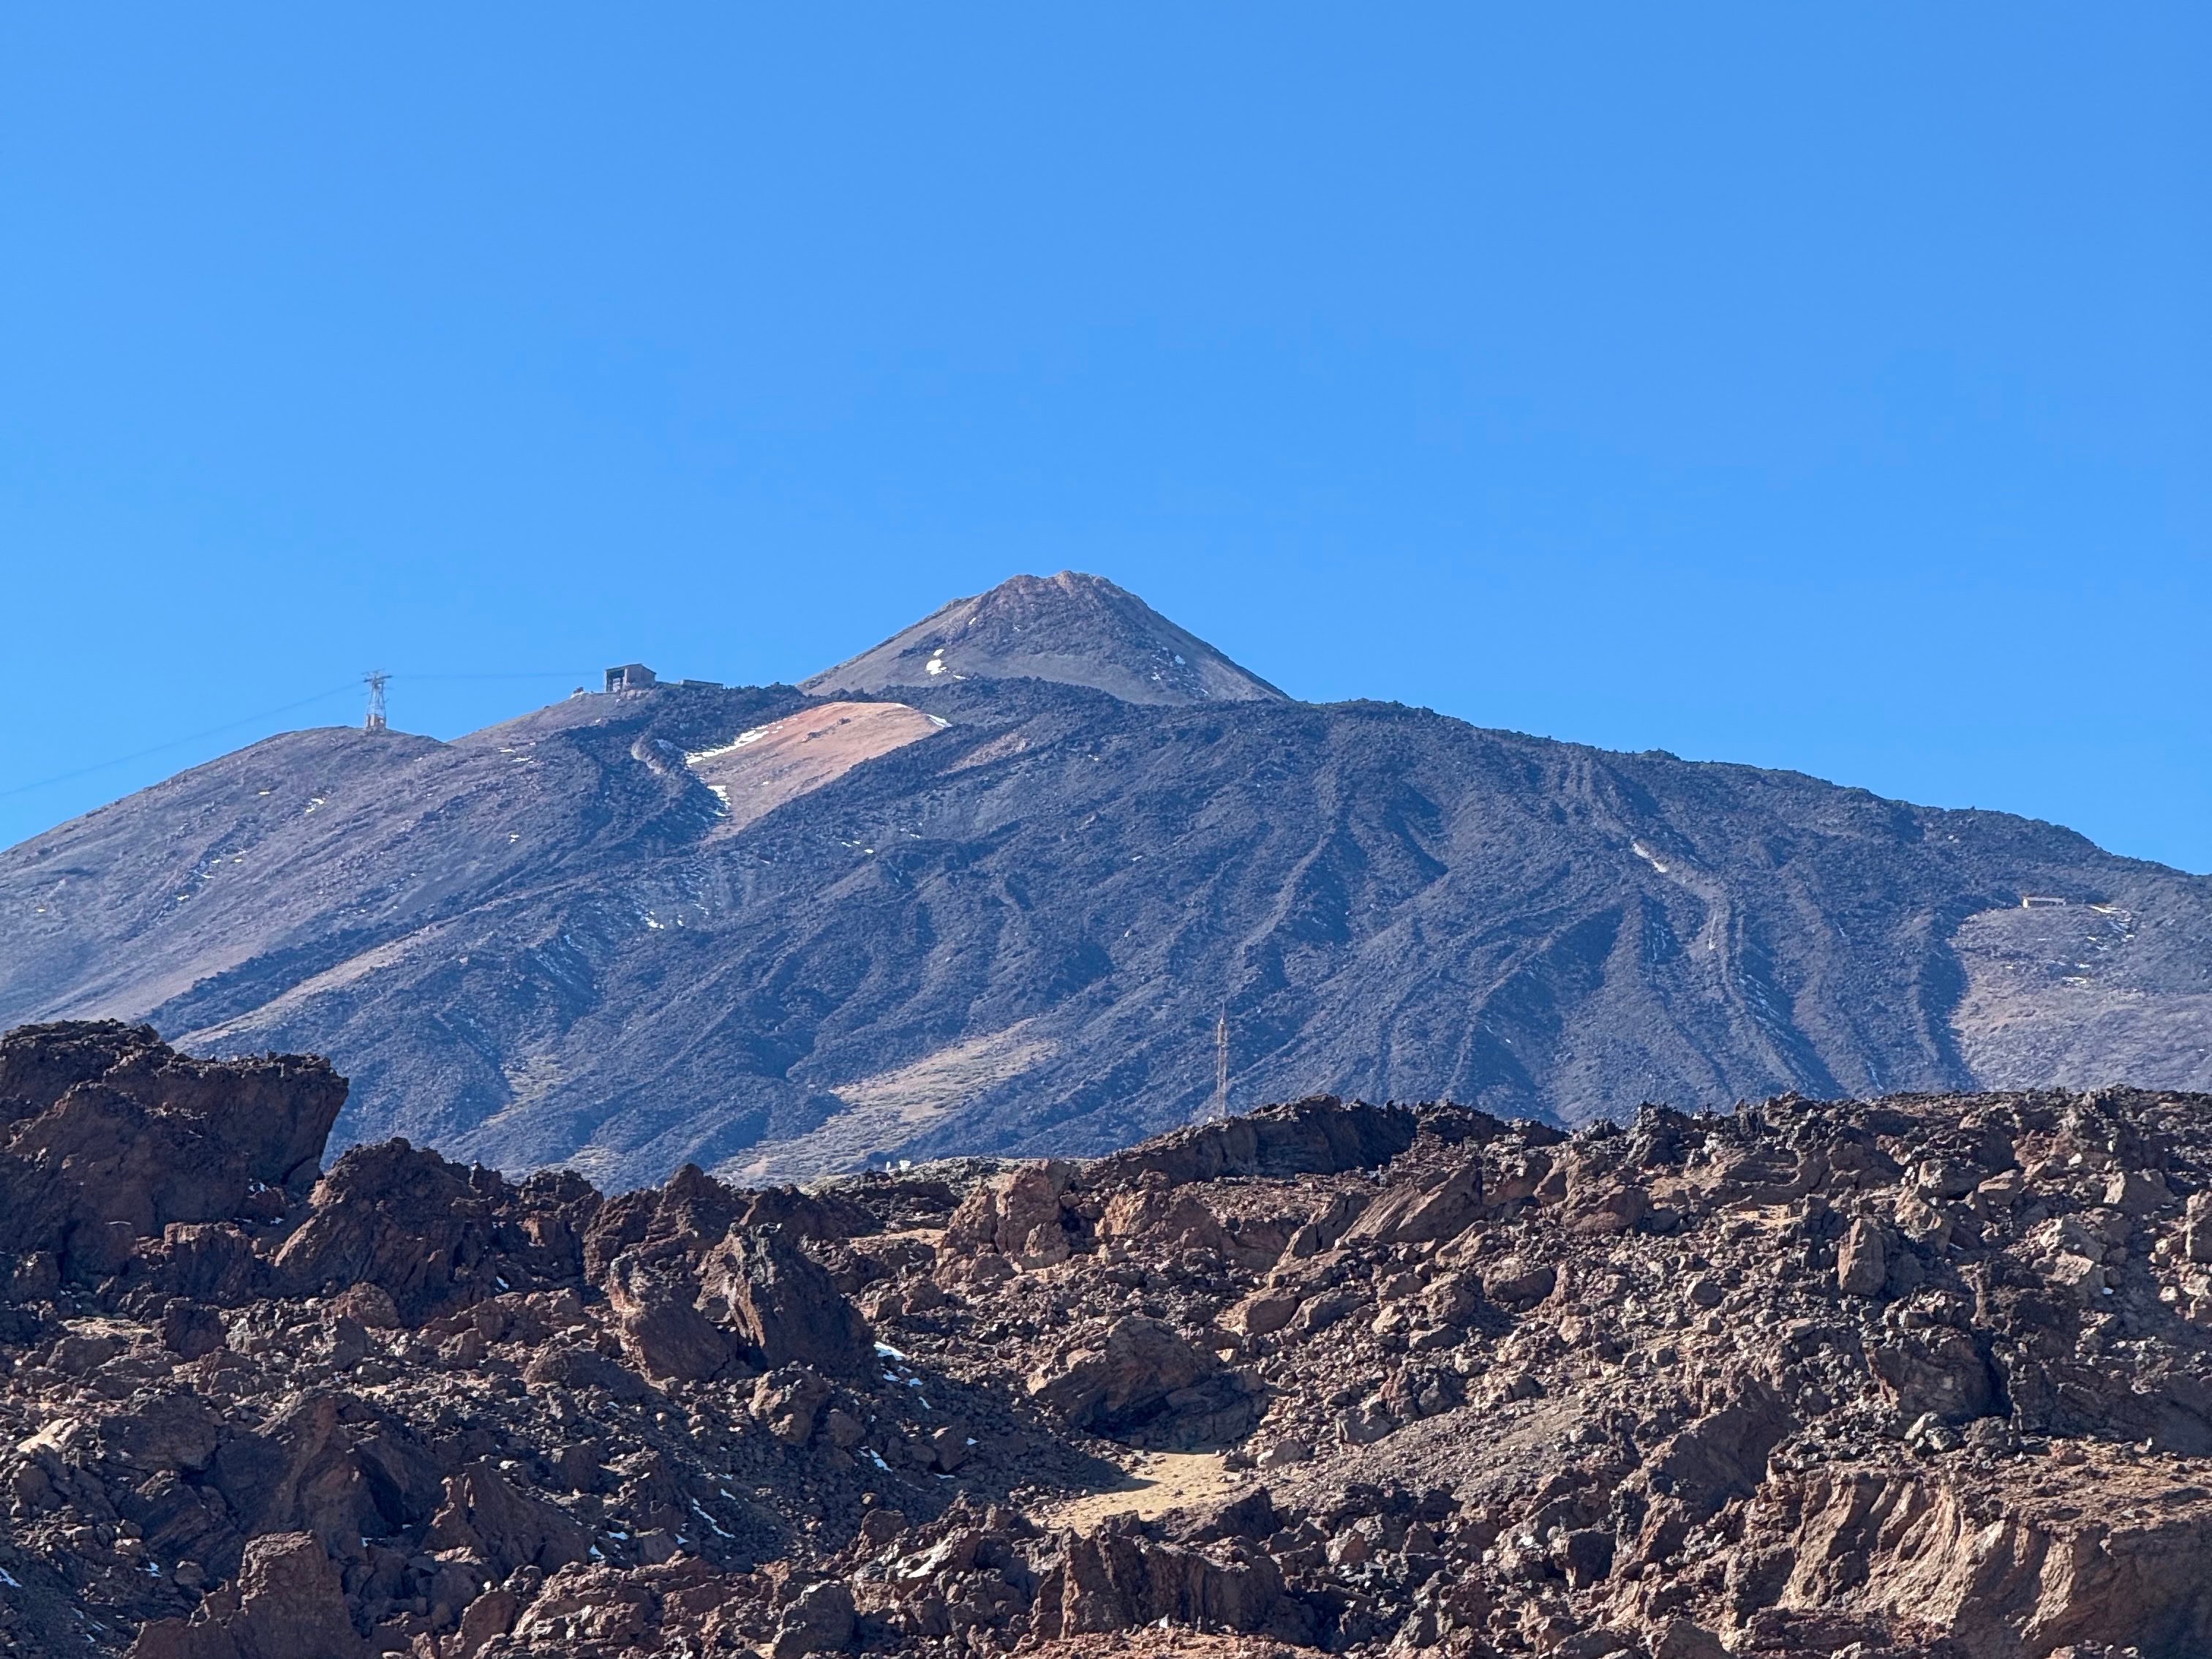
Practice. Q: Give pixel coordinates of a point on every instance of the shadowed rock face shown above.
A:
(108, 1138)
(1926, 1376)
(552, 942)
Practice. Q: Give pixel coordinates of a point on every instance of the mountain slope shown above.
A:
(1006, 914)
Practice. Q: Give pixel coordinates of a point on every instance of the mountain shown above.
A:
(778, 931)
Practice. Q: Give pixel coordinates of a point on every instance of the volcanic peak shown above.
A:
(1073, 629)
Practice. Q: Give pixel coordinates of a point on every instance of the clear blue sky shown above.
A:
(1827, 387)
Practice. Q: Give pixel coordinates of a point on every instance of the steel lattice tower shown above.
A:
(376, 679)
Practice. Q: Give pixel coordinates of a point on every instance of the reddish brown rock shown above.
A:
(432, 1235)
(663, 1332)
(502, 1527)
(1121, 1581)
(784, 1306)
(1264, 1312)
(1164, 1218)
(107, 1136)
(818, 1621)
(788, 1400)
(1862, 1260)
(1516, 1282)
(1422, 1213)
(1144, 1382)
(286, 1604)
(1017, 1215)
(1928, 1377)
(688, 1216)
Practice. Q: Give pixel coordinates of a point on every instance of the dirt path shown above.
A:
(1154, 1482)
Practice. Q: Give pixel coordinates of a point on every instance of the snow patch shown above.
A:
(694, 756)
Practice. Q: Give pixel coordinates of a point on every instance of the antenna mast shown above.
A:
(375, 679)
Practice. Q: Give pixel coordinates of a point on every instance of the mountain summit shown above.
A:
(1071, 628)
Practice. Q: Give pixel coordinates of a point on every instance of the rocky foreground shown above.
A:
(1927, 1375)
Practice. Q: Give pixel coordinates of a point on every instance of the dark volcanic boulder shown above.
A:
(433, 1235)
(663, 1332)
(327, 1465)
(488, 1517)
(818, 1621)
(287, 1603)
(274, 1113)
(1939, 1370)
(807, 1215)
(567, 1365)
(107, 1136)
(1146, 1385)
(39, 1064)
(122, 1160)
(1121, 1580)
(784, 1306)
(787, 1400)
(1141, 1362)
(690, 1215)
(209, 1262)
(168, 1430)
(1319, 1136)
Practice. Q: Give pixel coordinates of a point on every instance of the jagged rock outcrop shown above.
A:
(1321, 1135)
(663, 1334)
(108, 1137)
(1928, 1376)
(287, 1603)
(784, 1306)
(1146, 1384)
(498, 1526)
(1018, 1216)
(434, 1236)
(1121, 1580)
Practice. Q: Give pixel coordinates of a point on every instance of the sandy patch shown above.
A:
(1154, 1483)
(762, 768)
